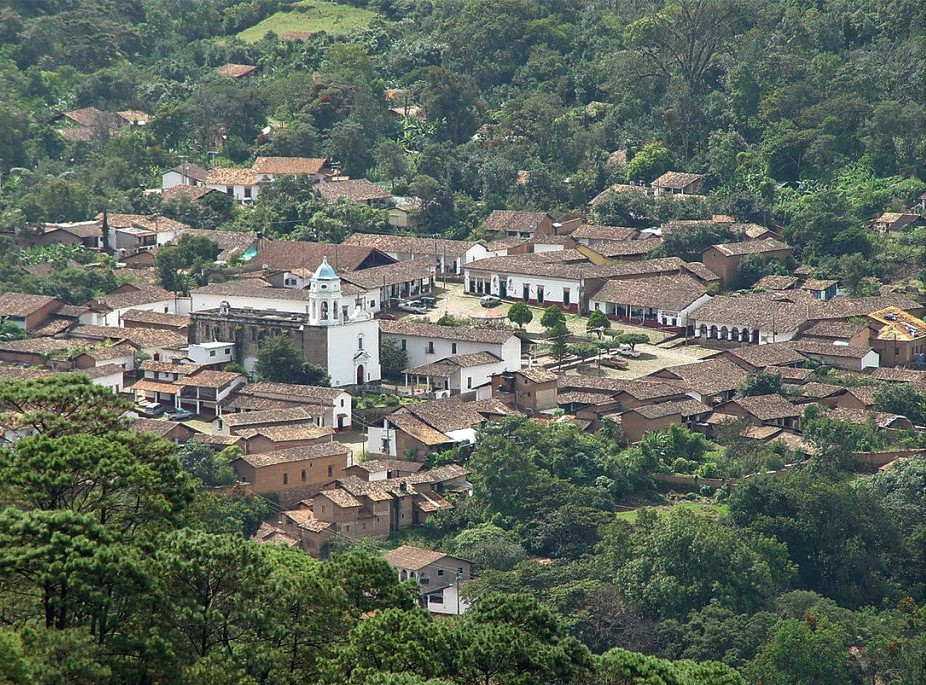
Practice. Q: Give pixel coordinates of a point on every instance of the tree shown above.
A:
(633, 339)
(184, 264)
(489, 547)
(811, 651)
(209, 467)
(622, 666)
(392, 358)
(552, 316)
(10, 331)
(681, 561)
(558, 335)
(279, 361)
(649, 163)
(520, 314)
(760, 383)
(903, 399)
(597, 322)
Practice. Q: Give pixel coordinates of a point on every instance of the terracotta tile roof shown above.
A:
(418, 429)
(820, 390)
(151, 385)
(112, 352)
(159, 318)
(235, 70)
(768, 407)
(436, 247)
(341, 498)
(538, 264)
(537, 374)
(884, 373)
(862, 416)
(864, 394)
(708, 377)
(773, 282)
(596, 232)
(306, 519)
(412, 558)
(669, 293)
(101, 370)
(289, 165)
(23, 304)
(682, 407)
(628, 248)
(217, 440)
(140, 294)
(191, 192)
(641, 389)
(444, 368)
(278, 416)
(294, 392)
(751, 231)
(391, 274)
(505, 221)
(36, 345)
(676, 180)
(191, 171)
(288, 433)
(378, 465)
(817, 284)
(268, 534)
(243, 403)
(158, 427)
(144, 337)
(22, 373)
(761, 356)
(748, 247)
(431, 330)
(250, 287)
(208, 379)
(355, 189)
(822, 348)
(90, 117)
(292, 254)
(302, 453)
(773, 312)
(226, 176)
(840, 330)
(789, 374)
(701, 272)
(453, 414)
(153, 223)
(566, 397)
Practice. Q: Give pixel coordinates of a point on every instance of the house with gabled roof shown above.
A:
(268, 168)
(637, 422)
(236, 71)
(664, 300)
(359, 190)
(677, 183)
(424, 343)
(295, 473)
(438, 575)
(185, 174)
(724, 259)
(894, 224)
(458, 373)
(448, 256)
(711, 381)
(241, 184)
(27, 311)
(769, 410)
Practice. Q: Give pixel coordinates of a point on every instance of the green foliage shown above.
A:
(279, 361)
(760, 383)
(637, 669)
(210, 468)
(651, 161)
(804, 652)
(681, 561)
(903, 399)
(392, 357)
(633, 339)
(598, 322)
(184, 265)
(552, 316)
(520, 314)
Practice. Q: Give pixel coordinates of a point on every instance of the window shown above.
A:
(285, 479)
(469, 382)
(211, 353)
(372, 304)
(453, 348)
(253, 333)
(440, 571)
(330, 470)
(403, 344)
(227, 350)
(437, 598)
(229, 190)
(359, 342)
(303, 475)
(247, 191)
(430, 347)
(324, 311)
(342, 402)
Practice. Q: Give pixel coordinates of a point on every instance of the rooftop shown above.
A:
(431, 330)
(669, 293)
(355, 189)
(676, 180)
(23, 304)
(437, 247)
(506, 220)
(302, 453)
(289, 165)
(412, 558)
(209, 379)
(747, 247)
(768, 407)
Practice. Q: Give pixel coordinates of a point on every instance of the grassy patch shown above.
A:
(312, 16)
(708, 508)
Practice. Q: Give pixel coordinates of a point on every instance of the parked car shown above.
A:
(385, 316)
(628, 351)
(489, 301)
(179, 415)
(414, 307)
(150, 409)
(429, 301)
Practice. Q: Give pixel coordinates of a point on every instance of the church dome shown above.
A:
(325, 272)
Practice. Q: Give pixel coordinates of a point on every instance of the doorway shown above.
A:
(360, 376)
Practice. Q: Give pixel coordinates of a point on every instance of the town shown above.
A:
(444, 342)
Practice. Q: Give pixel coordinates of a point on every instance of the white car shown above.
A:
(490, 301)
(414, 307)
(628, 351)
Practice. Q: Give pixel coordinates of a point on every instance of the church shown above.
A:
(327, 321)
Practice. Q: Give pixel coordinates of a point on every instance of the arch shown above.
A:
(360, 374)
(324, 316)
(735, 334)
(755, 336)
(703, 330)
(723, 333)
(713, 332)
(744, 335)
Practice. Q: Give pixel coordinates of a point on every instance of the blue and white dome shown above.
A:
(325, 272)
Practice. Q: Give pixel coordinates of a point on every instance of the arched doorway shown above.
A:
(360, 375)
